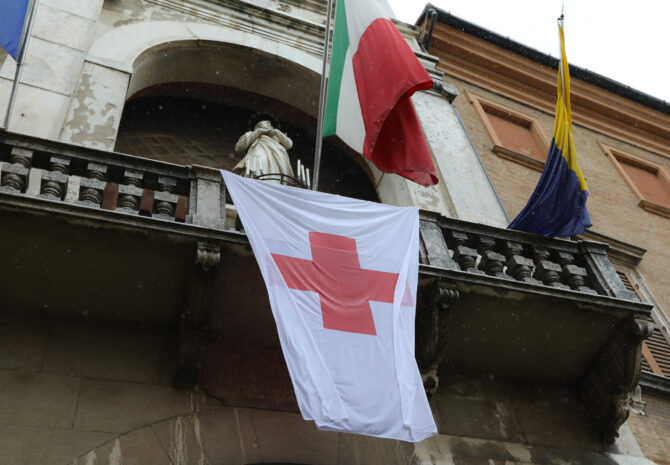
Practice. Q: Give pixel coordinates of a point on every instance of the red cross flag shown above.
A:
(341, 275)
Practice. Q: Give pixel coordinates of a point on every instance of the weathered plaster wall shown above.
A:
(463, 179)
(96, 107)
(62, 34)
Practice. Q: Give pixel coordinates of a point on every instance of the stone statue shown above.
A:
(265, 150)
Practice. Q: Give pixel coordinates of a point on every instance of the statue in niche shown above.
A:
(266, 151)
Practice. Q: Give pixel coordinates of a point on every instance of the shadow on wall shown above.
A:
(197, 124)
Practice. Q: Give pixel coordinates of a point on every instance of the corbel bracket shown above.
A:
(433, 322)
(613, 376)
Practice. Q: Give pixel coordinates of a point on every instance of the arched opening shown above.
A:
(189, 104)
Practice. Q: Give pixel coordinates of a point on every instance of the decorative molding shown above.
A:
(655, 208)
(654, 383)
(208, 255)
(619, 251)
(517, 157)
(613, 376)
(433, 322)
(617, 156)
(280, 27)
(484, 107)
(283, 27)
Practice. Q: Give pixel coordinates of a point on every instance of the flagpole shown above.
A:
(322, 99)
(23, 45)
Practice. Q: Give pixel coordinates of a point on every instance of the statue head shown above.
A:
(265, 124)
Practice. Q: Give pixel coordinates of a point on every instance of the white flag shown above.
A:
(341, 275)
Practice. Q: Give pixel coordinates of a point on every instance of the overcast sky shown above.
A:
(623, 40)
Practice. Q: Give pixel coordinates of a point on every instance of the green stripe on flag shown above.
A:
(340, 46)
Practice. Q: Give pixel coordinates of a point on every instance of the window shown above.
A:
(515, 136)
(649, 181)
(656, 349)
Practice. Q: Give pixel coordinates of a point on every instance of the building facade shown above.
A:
(623, 144)
(136, 327)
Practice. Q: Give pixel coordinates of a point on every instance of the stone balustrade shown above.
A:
(196, 195)
(509, 255)
(93, 179)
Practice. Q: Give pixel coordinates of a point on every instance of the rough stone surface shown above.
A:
(28, 445)
(38, 399)
(101, 401)
(62, 27)
(95, 111)
(110, 352)
(464, 179)
(38, 112)
(181, 438)
(23, 344)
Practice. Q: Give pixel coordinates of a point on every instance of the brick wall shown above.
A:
(652, 430)
(612, 203)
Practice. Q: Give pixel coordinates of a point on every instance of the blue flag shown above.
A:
(12, 17)
(558, 204)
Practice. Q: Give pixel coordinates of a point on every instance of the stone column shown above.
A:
(463, 181)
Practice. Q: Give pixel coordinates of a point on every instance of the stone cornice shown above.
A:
(272, 24)
(278, 25)
(519, 78)
(655, 383)
(620, 251)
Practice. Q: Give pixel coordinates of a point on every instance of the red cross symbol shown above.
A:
(345, 290)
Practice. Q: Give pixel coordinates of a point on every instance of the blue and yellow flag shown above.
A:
(12, 17)
(558, 204)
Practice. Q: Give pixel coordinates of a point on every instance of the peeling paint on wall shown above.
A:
(96, 107)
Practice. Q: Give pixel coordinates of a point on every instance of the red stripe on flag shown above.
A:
(387, 73)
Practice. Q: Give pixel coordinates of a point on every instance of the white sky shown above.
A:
(626, 41)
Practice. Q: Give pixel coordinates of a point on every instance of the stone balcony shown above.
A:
(106, 236)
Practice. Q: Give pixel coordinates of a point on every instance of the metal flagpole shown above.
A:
(23, 45)
(322, 98)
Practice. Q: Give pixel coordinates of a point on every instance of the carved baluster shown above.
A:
(492, 263)
(465, 256)
(573, 275)
(545, 270)
(92, 187)
(130, 192)
(165, 199)
(54, 182)
(15, 173)
(518, 266)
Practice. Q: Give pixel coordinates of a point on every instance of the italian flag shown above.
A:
(372, 77)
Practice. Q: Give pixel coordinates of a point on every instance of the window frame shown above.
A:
(484, 107)
(619, 157)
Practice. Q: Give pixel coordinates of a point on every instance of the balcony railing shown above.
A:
(539, 263)
(486, 295)
(195, 195)
(93, 179)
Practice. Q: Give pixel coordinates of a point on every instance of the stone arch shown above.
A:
(154, 55)
(116, 56)
(220, 435)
